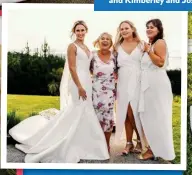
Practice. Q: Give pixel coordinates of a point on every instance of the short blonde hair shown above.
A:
(96, 42)
(79, 22)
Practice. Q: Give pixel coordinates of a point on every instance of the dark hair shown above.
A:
(157, 23)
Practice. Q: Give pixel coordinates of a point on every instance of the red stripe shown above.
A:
(0, 12)
(19, 172)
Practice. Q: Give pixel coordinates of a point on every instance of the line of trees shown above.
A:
(190, 25)
(35, 74)
(40, 73)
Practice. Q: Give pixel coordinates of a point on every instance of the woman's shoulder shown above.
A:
(141, 44)
(160, 43)
(72, 46)
(94, 53)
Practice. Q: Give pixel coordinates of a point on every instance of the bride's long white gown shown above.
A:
(68, 135)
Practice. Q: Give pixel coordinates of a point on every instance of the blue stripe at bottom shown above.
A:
(99, 172)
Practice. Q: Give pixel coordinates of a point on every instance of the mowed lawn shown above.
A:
(24, 105)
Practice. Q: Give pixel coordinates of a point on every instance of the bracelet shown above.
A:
(149, 50)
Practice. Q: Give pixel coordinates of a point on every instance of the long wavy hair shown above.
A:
(119, 39)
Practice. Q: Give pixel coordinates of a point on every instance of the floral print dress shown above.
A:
(104, 90)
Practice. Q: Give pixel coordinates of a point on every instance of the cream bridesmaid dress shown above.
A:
(128, 87)
(68, 135)
(155, 107)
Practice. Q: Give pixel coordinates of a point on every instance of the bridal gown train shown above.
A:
(66, 135)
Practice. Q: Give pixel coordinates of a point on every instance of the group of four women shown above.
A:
(130, 75)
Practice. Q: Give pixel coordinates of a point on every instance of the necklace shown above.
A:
(81, 45)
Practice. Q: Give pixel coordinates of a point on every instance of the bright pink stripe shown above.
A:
(19, 172)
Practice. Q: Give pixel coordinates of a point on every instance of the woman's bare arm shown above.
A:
(159, 54)
(71, 53)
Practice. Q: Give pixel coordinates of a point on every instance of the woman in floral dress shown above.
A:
(104, 90)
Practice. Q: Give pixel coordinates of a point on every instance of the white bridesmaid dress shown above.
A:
(66, 135)
(155, 107)
(128, 87)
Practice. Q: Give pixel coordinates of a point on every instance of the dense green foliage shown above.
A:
(189, 103)
(36, 74)
(40, 73)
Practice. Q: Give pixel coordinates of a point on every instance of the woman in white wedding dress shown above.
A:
(129, 52)
(74, 132)
(156, 96)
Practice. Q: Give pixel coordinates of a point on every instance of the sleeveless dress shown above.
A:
(68, 135)
(155, 107)
(128, 87)
(104, 90)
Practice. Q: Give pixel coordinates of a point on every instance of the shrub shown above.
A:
(12, 120)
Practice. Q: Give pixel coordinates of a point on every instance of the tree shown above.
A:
(190, 25)
(45, 49)
(27, 49)
(32, 73)
(53, 88)
(190, 78)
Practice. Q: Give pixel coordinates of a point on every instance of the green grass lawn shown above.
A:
(24, 105)
(189, 138)
(189, 146)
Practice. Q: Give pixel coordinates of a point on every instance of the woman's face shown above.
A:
(105, 42)
(126, 31)
(80, 32)
(151, 31)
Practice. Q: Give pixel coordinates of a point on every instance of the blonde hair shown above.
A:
(96, 42)
(79, 22)
(119, 39)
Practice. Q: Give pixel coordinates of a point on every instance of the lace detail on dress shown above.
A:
(49, 113)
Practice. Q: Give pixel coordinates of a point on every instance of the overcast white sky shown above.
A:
(33, 25)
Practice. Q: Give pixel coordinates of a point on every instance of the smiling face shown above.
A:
(105, 42)
(80, 32)
(151, 31)
(126, 30)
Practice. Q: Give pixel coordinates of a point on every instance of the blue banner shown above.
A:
(100, 172)
(143, 5)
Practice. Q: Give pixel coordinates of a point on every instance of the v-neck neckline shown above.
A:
(102, 60)
(88, 55)
(131, 51)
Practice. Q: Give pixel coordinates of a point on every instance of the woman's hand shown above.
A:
(147, 47)
(82, 93)
(115, 75)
